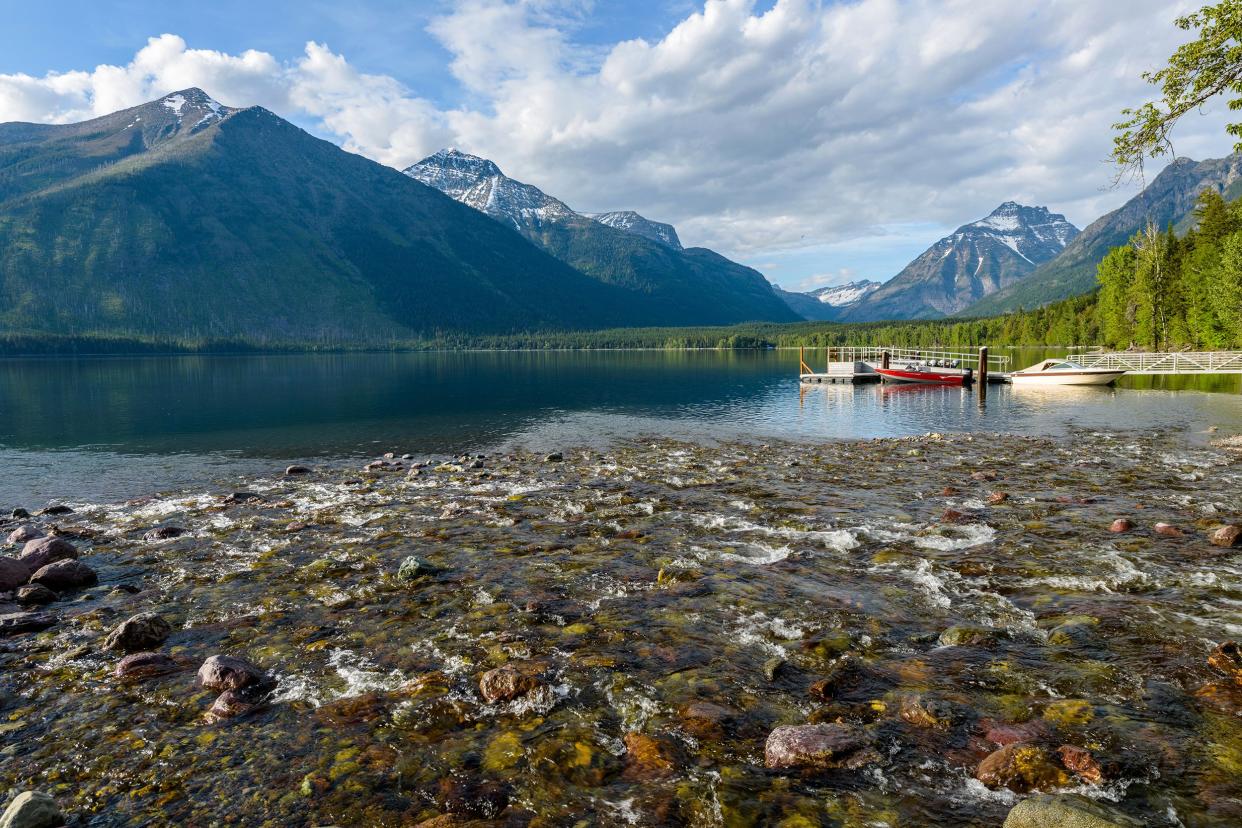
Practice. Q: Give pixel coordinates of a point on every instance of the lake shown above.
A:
(107, 429)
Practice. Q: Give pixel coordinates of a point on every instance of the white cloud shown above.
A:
(804, 126)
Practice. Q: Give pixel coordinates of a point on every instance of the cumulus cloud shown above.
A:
(756, 130)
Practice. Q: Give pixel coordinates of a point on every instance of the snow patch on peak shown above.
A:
(632, 222)
(847, 294)
(175, 102)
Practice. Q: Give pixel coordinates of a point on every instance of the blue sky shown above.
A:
(820, 142)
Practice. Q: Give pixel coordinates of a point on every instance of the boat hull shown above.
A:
(921, 377)
(1087, 377)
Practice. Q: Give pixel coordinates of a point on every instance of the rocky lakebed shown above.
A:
(946, 630)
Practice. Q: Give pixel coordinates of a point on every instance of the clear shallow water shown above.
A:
(109, 429)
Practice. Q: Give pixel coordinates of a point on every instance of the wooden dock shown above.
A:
(856, 366)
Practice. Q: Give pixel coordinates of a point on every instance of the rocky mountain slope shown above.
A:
(693, 286)
(1169, 198)
(978, 259)
(183, 219)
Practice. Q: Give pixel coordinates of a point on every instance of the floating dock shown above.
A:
(856, 366)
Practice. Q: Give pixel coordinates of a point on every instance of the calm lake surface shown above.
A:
(102, 430)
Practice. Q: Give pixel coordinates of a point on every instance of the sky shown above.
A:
(820, 142)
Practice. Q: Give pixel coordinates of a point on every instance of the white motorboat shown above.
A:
(1064, 372)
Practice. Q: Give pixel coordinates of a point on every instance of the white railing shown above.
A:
(875, 354)
(1178, 362)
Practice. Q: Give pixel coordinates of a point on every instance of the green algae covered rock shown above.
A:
(1067, 811)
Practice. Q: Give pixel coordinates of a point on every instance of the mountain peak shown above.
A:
(462, 168)
(632, 222)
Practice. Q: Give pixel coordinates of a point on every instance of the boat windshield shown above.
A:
(1062, 365)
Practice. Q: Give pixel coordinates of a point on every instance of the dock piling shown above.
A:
(983, 367)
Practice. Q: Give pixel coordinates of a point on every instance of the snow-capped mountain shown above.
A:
(632, 222)
(480, 184)
(622, 249)
(839, 296)
(974, 261)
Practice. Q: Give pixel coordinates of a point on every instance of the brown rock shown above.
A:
(955, 516)
(1080, 761)
(1121, 525)
(140, 666)
(817, 746)
(509, 682)
(40, 552)
(221, 672)
(13, 573)
(1167, 530)
(650, 757)
(65, 575)
(1227, 660)
(921, 711)
(1230, 537)
(997, 498)
(35, 594)
(1022, 768)
(984, 475)
(1008, 734)
(23, 534)
(949, 491)
(144, 631)
(230, 704)
(705, 720)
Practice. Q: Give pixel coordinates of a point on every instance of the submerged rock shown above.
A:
(14, 623)
(40, 552)
(997, 498)
(1121, 525)
(1230, 536)
(241, 497)
(58, 509)
(817, 746)
(222, 672)
(1227, 659)
(234, 703)
(412, 568)
(650, 757)
(295, 470)
(144, 631)
(1167, 530)
(1067, 811)
(961, 635)
(1080, 761)
(13, 573)
(509, 682)
(140, 666)
(65, 575)
(1021, 768)
(163, 533)
(32, 809)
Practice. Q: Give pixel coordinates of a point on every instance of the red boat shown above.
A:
(926, 375)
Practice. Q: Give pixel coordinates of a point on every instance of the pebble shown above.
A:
(997, 498)
(58, 509)
(144, 631)
(230, 704)
(554, 457)
(983, 475)
(32, 809)
(40, 552)
(141, 666)
(816, 746)
(222, 672)
(1080, 761)
(1067, 811)
(241, 497)
(1121, 525)
(65, 575)
(1167, 530)
(413, 568)
(295, 470)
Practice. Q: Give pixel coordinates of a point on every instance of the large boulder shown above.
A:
(32, 809)
(144, 631)
(221, 672)
(815, 746)
(40, 552)
(1067, 811)
(65, 575)
(13, 573)
(24, 534)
